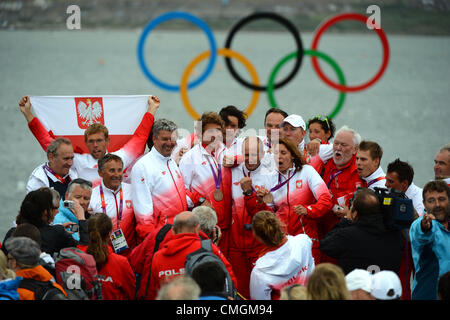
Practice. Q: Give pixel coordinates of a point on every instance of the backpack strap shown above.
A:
(207, 245)
(158, 239)
(41, 289)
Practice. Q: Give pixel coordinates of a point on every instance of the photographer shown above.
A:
(361, 239)
(75, 207)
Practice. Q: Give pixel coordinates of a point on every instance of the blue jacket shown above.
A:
(431, 255)
(65, 215)
(8, 289)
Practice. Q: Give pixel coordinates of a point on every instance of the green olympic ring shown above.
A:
(314, 53)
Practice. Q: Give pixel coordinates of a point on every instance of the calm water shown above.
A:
(407, 111)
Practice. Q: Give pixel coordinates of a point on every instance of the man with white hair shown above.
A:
(341, 176)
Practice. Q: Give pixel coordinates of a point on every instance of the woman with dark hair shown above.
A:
(285, 259)
(298, 196)
(38, 208)
(114, 271)
(321, 127)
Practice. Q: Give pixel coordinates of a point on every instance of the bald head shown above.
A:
(186, 222)
(253, 150)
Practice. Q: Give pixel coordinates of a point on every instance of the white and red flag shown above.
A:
(69, 116)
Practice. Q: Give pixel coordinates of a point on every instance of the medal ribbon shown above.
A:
(218, 178)
(371, 182)
(332, 176)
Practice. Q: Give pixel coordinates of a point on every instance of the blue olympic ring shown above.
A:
(170, 16)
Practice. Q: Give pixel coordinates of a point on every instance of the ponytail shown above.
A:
(99, 228)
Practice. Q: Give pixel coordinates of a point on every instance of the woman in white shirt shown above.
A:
(285, 260)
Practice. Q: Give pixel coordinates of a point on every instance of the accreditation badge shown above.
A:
(118, 241)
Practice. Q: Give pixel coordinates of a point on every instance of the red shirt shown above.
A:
(341, 182)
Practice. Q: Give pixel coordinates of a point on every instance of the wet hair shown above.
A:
(99, 228)
(292, 148)
(327, 282)
(326, 123)
(268, 228)
(376, 152)
(437, 186)
(107, 158)
(233, 111)
(95, 128)
(403, 169)
(54, 146)
(35, 204)
(275, 110)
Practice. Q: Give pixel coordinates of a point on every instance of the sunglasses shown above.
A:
(321, 118)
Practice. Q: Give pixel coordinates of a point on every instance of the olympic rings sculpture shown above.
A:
(271, 86)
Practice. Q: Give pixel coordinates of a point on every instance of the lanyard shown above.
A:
(332, 176)
(279, 185)
(218, 177)
(371, 182)
(120, 210)
(57, 176)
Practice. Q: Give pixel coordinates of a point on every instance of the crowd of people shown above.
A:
(296, 214)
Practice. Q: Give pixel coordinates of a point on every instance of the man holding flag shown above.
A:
(91, 116)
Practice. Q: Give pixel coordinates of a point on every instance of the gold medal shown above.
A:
(218, 195)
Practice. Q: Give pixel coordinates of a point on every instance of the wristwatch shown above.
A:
(249, 192)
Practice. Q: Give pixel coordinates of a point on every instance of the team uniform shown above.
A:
(303, 187)
(290, 263)
(415, 194)
(43, 176)
(244, 248)
(118, 205)
(203, 174)
(158, 192)
(85, 165)
(169, 261)
(375, 180)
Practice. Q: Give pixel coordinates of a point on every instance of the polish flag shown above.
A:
(69, 116)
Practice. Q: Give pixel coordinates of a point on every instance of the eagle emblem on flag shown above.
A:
(89, 111)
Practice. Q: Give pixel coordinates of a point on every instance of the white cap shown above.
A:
(359, 279)
(295, 120)
(386, 285)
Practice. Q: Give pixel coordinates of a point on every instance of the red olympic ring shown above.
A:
(328, 24)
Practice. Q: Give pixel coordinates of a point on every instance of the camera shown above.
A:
(73, 228)
(398, 210)
(68, 204)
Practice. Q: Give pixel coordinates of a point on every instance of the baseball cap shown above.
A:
(24, 250)
(359, 279)
(386, 285)
(295, 120)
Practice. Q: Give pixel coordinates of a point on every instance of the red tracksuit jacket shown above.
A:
(169, 261)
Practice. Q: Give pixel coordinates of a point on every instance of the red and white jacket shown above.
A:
(376, 179)
(304, 187)
(195, 166)
(112, 200)
(85, 164)
(158, 192)
(241, 232)
(290, 263)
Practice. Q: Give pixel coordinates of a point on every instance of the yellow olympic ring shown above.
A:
(223, 52)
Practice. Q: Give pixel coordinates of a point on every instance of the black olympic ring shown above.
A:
(273, 16)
